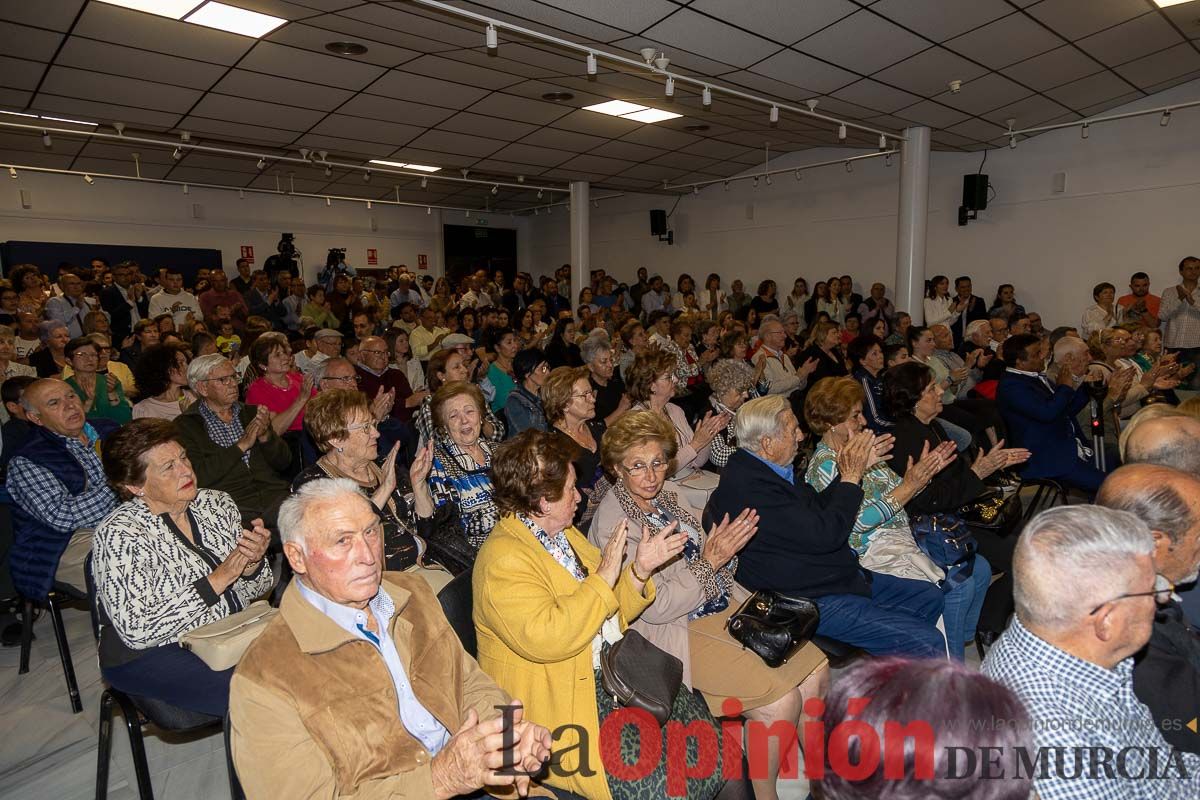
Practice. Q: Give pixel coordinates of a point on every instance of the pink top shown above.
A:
(264, 393)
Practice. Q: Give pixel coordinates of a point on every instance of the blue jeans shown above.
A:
(963, 604)
(898, 619)
(961, 436)
(176, 676)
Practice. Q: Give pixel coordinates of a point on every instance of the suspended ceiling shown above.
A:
(426, 91)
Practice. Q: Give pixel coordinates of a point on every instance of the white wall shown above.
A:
(1132, 202)
(65, 209)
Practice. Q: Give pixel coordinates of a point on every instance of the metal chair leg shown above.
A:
(64, 653)
(26, 634)
(137, 748)
(104, 750)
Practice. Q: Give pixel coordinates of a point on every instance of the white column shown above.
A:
(581, 207)
(913, 220)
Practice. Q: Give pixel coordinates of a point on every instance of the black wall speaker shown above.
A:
(975, 192)
(658, 222)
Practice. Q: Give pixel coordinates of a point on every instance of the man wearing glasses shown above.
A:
(1086, 590)
(375, 376)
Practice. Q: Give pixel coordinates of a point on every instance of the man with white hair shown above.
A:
(360, 687)
(802, 546)
(781, 375)
(1171, 441)
(1085, 590)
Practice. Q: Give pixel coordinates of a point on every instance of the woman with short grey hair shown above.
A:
(732, 383)
(50, 357)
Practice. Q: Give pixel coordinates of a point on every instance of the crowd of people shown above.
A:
(606, 459)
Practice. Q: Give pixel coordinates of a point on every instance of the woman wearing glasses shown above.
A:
(570, 404)
(102, 395)
(696, 592)
(417, 535)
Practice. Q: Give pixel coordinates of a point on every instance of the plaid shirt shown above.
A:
(1077, 704)
(40, 493)
(1181, 320)
(224, 434)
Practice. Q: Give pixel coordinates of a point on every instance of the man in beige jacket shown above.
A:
(359, 687)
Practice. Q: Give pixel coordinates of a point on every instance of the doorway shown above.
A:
(469, 248)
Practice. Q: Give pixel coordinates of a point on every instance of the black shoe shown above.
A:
(10, 634)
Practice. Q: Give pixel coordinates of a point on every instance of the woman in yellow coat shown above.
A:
(546, 601)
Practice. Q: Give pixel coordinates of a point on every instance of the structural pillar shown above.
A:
(581, 207)
(912, 223)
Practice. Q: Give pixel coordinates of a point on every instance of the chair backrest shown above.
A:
(457, 605)
(93, 599)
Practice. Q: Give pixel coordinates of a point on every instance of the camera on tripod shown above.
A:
(1097, 389)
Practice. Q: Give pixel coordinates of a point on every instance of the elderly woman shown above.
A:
(417, 535)
(1105, 312)
(169, 559)
(106, 363)
(523, 409)
(651, 385)
(913, 399)
(882, 536)
(687, 362)
(448, 366)
(548, 602)
(49, 359)
(101, 395)
(696, 594)
(233, 446)
(634, 341)
(732, 383)
(161, 374)
(279, 385)
(611, 400)
(462, 459)
(570, 403)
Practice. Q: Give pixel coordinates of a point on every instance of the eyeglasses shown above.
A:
(225, 380)
(344, 379)
(373, 425)
(589, 393)
(1163, 589)
(372, 352)
(639, 469)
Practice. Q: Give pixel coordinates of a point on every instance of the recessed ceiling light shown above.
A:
(696, 128)
(615, 108)
(1166, 3)
(650, 115)
(19, 114)
(233, 19)
(346, 48)
(174, 9)
(72, 121)
(402, 165)
(558, 97)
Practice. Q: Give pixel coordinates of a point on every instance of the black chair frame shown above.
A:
(53, 603)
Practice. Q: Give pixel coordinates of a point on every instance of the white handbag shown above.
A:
(221, 644)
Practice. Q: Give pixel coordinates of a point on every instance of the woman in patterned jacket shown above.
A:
(169, 559)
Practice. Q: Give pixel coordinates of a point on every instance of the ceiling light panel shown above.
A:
(615, 108)
(235, 20)
(650, 115)
(175, 9)
(402, 165)
(1168, 3)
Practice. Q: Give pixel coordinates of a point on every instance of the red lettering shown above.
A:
(731, 746)
(649, 750)
(678, 768)
(854, 738)
(894, 737)
(814, 739)
(760, 736)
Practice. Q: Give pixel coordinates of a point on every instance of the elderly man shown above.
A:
(327, 343)
(1166, 675)
(776, 366)
(375, 376)
(233, 446)
(1172, 441)
(802, 545)
(611, 400)
(426, 337)
(359, 687)
(1040, 415)
(1085, 591)
(58, 488)
(71, 307)
(220, 293)
(876, 306)
(125, 301)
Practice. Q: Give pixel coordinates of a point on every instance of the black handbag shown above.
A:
(773, 625)
(637, 674)
(948, 542)
(993, 511)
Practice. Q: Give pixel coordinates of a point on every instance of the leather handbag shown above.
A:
(774, 625)
(637, 674)
(993, 511)
(221, 644)
(948, 542)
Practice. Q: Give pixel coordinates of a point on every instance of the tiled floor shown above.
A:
(48, 753)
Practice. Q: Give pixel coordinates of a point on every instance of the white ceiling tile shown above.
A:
(256, 112)
(32, 142)
(328, 70)
(257, 86)
(1005, 41)
(691, 31)
(370, 106)
(14, 98)
(769, 87)
(653, 172)
(871, 94)
(314, 38)
(784, 21)
(457, 143)
(597, 164)
(1184, 15)
(950, 139)
(56, 15)
(1031, 111)
(551, 60)
(940, 20)
(279, 179)
(17, 73)
(1075, 19)
(496, 128)
(237, 132)
(682, 61)
(535, 89)
(460, 72)
(792, 67)
(1054, 68)
(928, 72)
(369, 130)
(528, 154)
(934, 115)
(1139, 37)
(86, 85)
(278, 8)
(345, 149)
(684, 161)
(110, 23)
(416, 155)
(1147, 73)
(841, 108)
(977, 129)
(1111, 103)
(519, 108)
(101, 111)
(327, 5)
(563, 140)
(637, 152)
(863, 42)
(414, 21)
(1182, 79)
(545, 18)
(984, 94)
(120, 166)
(665, 138)
(507, 67)
(21, 41)
(123, 152)
(422, 89)
(341, 28)
(631, 16)
(596, 124)
(133, 63)
(1089, 91)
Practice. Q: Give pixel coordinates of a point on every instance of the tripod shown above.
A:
(1098, 434)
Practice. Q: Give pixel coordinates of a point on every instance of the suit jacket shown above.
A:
(1043, 421)
(1166, 676)
(119, 317)
(803, 541)
(976, 309)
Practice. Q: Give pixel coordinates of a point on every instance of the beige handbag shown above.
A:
(221, 644)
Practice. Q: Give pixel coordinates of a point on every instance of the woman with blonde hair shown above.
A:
(651, 385)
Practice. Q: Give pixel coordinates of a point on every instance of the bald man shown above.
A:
(376, 376)
(1166, 675)
(1172, 441)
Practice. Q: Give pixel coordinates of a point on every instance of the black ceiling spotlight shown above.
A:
(558, 97)
(346, 48)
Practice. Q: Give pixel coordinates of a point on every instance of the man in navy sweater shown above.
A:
(802, 545)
